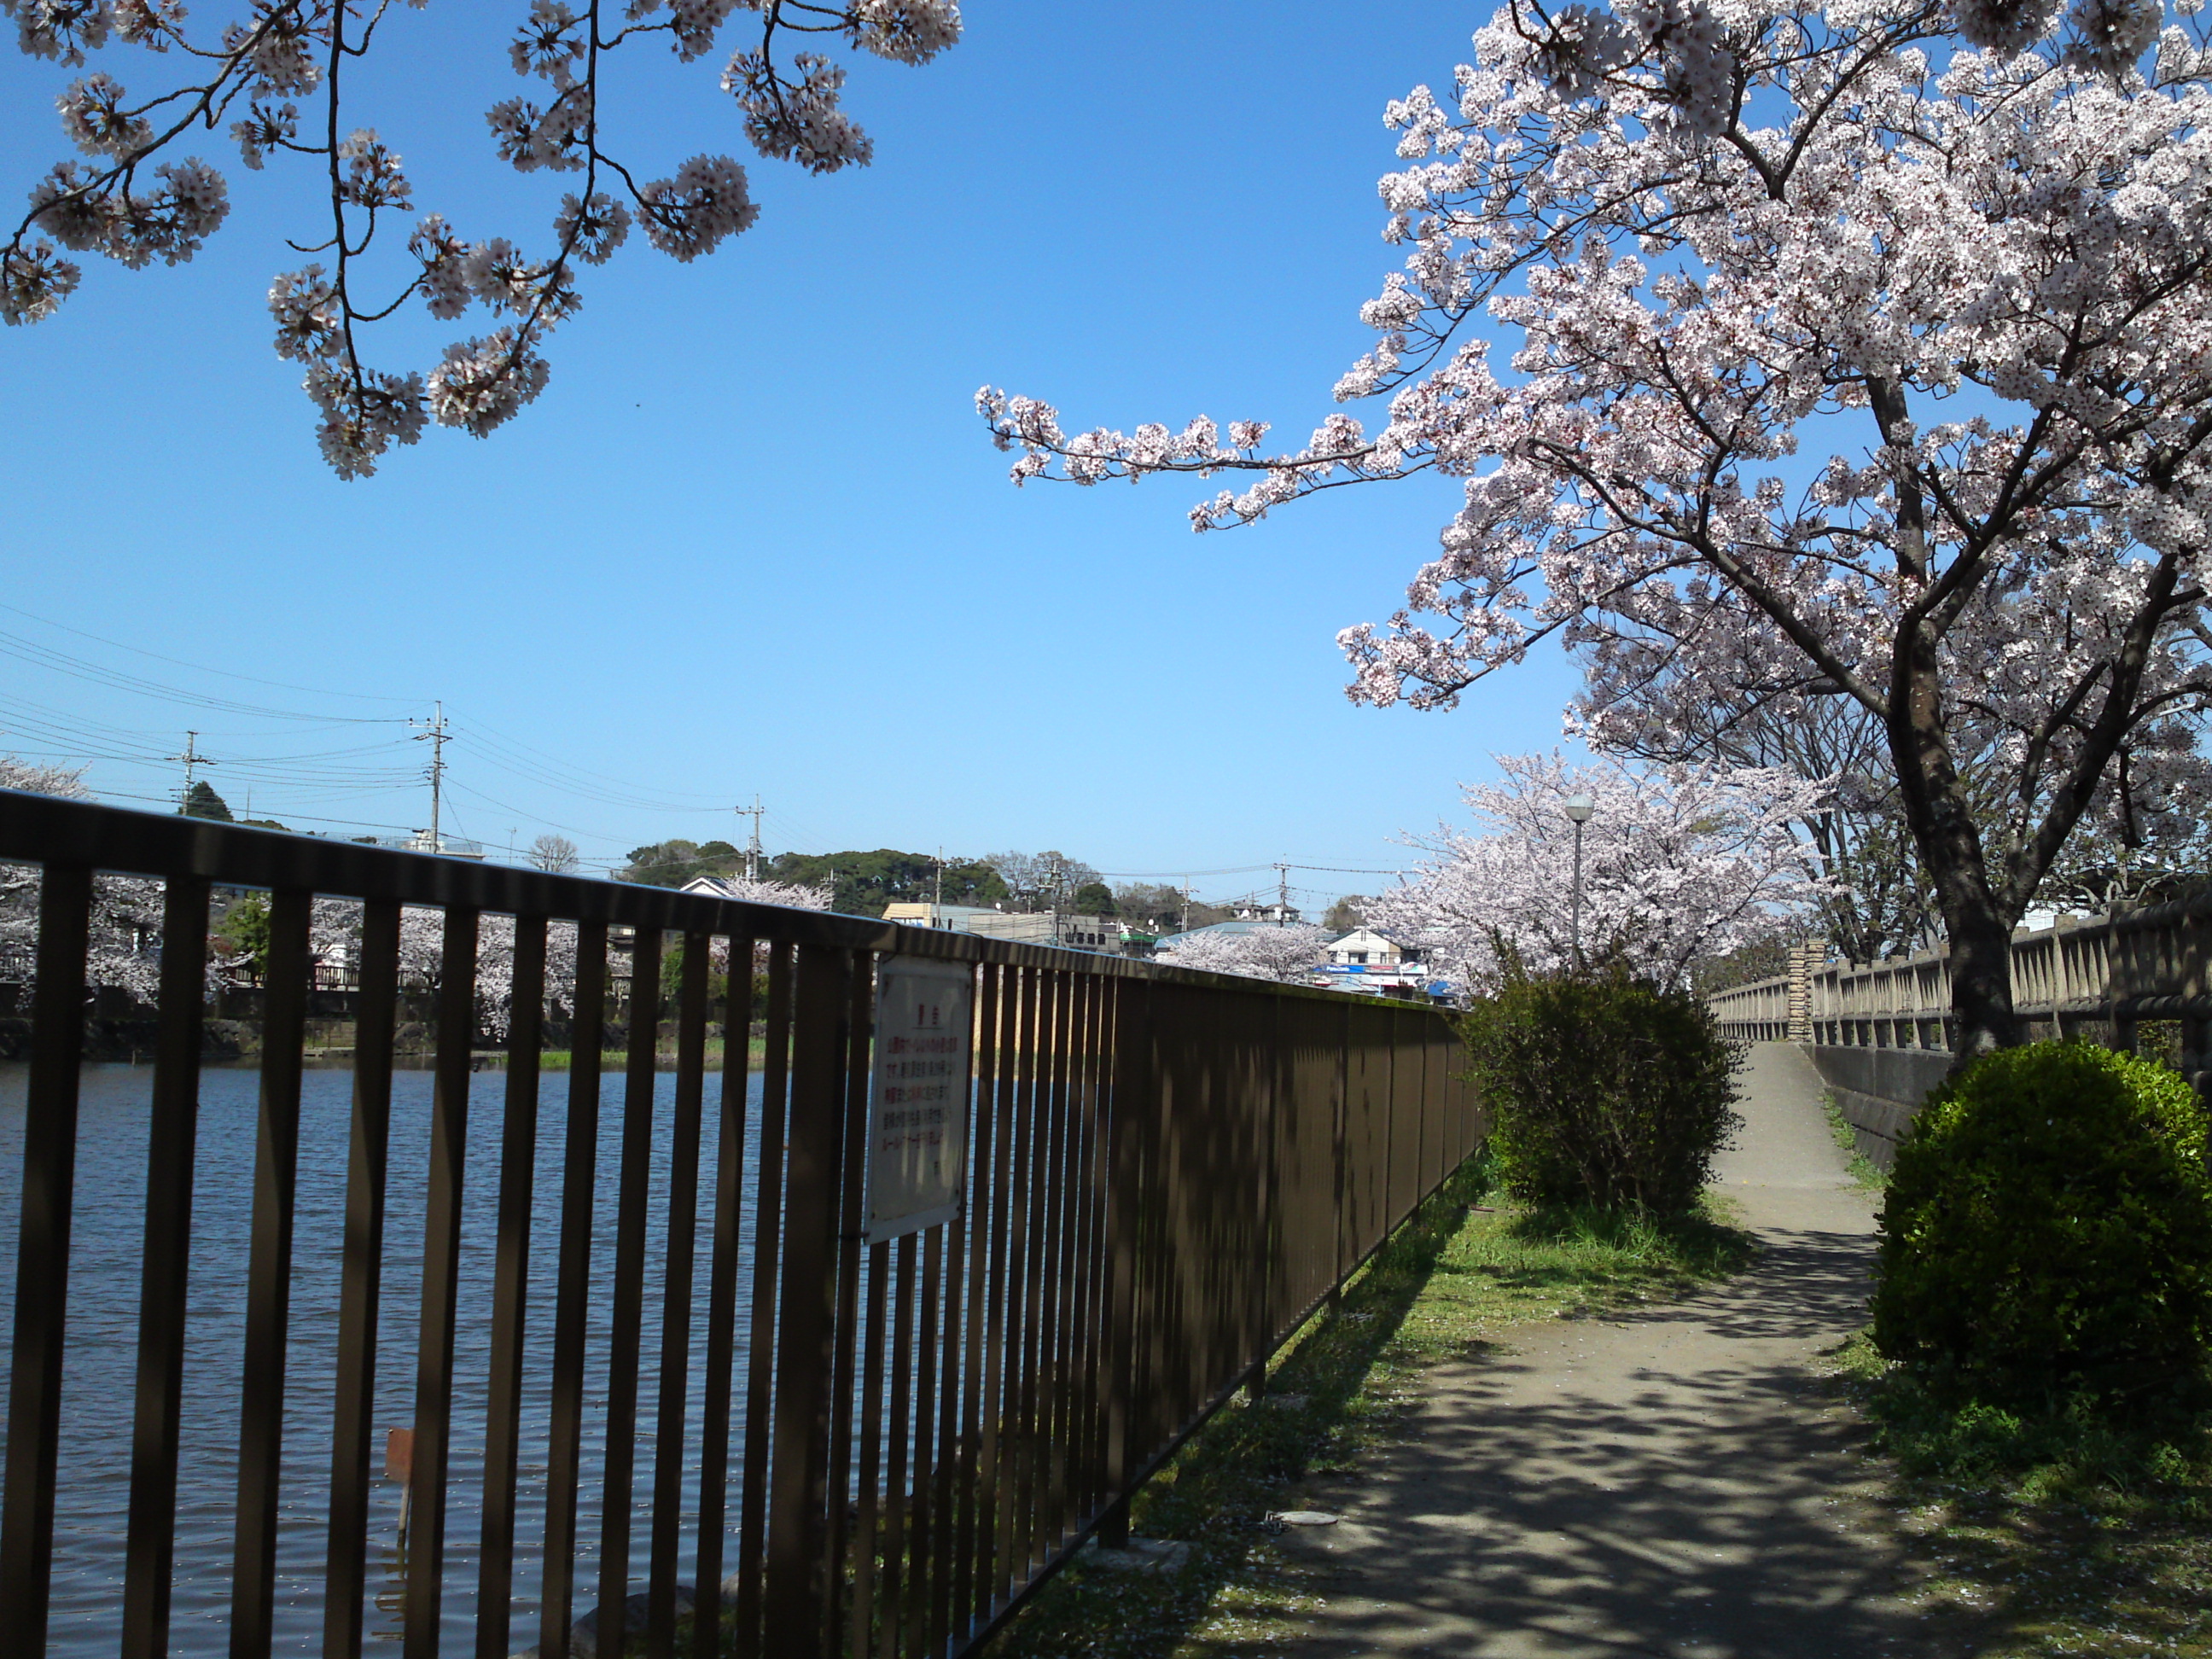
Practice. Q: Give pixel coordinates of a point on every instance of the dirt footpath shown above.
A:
(1671, 1483)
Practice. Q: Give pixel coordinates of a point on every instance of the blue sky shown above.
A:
(753, 538)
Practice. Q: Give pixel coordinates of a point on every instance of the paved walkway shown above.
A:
(1670, 1483)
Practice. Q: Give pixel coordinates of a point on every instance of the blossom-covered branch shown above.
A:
(1883, 362)
(136, 200)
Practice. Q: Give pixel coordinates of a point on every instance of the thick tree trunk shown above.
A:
(1950, 846)
(1981, 986)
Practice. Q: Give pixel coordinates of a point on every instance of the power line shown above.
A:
(61, 662)
(178, 662)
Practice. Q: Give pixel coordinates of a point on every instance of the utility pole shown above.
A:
(1282, 894)
(752, 843)
(434, 730)
(1186, 904)
(939, 900)
(1053, 900)
(191, 757)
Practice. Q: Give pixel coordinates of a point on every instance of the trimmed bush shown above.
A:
(2048, 1230)
(1602, 1088)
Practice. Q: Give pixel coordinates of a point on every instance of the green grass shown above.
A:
(1441, 1289)
(2069, 1533)
(1870, 1176)
(613, 1059)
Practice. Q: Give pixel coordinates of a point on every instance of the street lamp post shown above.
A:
(1578, 809)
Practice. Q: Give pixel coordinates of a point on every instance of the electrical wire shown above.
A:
(229, 674)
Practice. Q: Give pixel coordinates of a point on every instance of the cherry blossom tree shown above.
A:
(1973, 279)
(124, 945)
(1289, 955)
(790, 895)
(270, 79)
(1679, 864)
(2144, 833)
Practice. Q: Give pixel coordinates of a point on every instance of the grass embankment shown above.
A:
(2070, 1535)
(1870, 1174)
(613, 1059)
(1444, 1284)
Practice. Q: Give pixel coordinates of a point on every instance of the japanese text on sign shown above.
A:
(918, 1111)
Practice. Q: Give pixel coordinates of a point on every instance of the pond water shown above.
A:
(104, 1262)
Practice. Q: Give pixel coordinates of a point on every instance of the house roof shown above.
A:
(1166, 939)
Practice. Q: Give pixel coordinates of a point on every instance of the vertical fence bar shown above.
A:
(722, 1301)
(572, 1287)
(797, 1592)
(441, 1268)
(920, 1518)
(268, 1280)
(761, 1357)
(891, 1594)
(675, 1307)
(973, 1478)
(1048, 1370)
(360, 1283)
(171, 1142)
(852, 1209)
(35, 1394)
(1024, 1314)
(1083, 1440)
(518, 1170)
(627, 1319)
(992, 1452)
(1133, 1075)
(1003, 1430)
(866, 1588)
(945, 1526)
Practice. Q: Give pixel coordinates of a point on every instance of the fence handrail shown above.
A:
(1167, 1170)
(126, 841)
(2125, 965)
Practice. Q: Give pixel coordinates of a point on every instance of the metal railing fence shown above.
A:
(2095, 975)
(856, 1449)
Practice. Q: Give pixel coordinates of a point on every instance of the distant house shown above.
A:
(1363, 947)
(1274, 914)
(1072, 932)
(1169, 942)
(452, 847)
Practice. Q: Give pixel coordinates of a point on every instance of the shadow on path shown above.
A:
(1676, 1482)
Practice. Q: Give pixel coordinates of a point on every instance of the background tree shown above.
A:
(866, 883)
(1347, 914)
(554, 854)
(201, 801)
(124, 947)
(241, 937)
(1042, 881)
(667, 864)
(1677, 866)
(137, 197)
(1974, 283)
(1288, 955)
(1094, 898)
(1150, 905)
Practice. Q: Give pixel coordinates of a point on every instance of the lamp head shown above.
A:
(1579, 808)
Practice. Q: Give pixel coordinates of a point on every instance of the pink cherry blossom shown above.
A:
(1823, 345)
(1678, 863)
(250, 76)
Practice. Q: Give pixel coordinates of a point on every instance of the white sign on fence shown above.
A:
(917, 1114)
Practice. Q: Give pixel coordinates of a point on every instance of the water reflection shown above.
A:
(105, 1261)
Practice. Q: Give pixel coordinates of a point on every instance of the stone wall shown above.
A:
(1879, 1090)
